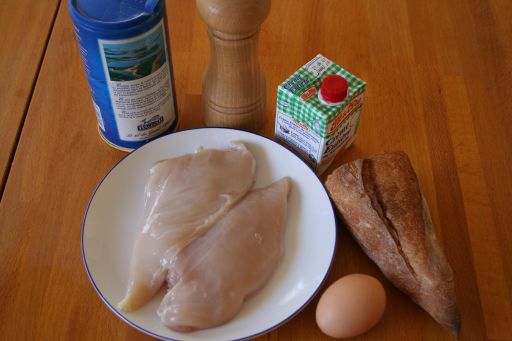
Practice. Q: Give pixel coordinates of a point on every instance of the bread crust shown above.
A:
(380, 201)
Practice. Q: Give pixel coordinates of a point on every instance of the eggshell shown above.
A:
(351, 306)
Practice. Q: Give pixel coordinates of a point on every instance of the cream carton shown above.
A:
(318, 111)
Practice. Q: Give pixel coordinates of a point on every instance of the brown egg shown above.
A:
(351, 306)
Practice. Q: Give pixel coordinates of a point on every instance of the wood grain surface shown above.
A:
(24, 30)
(438, 74)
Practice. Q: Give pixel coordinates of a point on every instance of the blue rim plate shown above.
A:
(113, 217)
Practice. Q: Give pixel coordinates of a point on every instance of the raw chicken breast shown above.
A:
(210, 279)
(185, 196)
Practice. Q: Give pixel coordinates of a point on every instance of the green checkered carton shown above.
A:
(317, 131)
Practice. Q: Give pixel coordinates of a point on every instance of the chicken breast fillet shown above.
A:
(185, 196)
(212, 276)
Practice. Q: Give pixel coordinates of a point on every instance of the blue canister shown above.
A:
(127, 61)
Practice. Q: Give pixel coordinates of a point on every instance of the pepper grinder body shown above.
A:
(233, 85)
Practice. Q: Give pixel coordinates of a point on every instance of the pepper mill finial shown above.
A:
(233, 85)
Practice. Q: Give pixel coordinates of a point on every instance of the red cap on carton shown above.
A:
(334, 88)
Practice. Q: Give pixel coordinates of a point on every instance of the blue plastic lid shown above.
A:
(112, 14)
(113, 11)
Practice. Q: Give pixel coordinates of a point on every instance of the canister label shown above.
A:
(139, 82)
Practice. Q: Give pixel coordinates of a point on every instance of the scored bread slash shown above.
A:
(380, 200)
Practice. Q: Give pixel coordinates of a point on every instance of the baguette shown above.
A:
(380, 200)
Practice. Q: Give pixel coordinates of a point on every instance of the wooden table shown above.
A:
(439, 79)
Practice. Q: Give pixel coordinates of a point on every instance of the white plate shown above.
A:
(112, 222)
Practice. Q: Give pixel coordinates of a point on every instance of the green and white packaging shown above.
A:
(313, 129)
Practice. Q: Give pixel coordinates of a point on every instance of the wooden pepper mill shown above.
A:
(233, 85)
